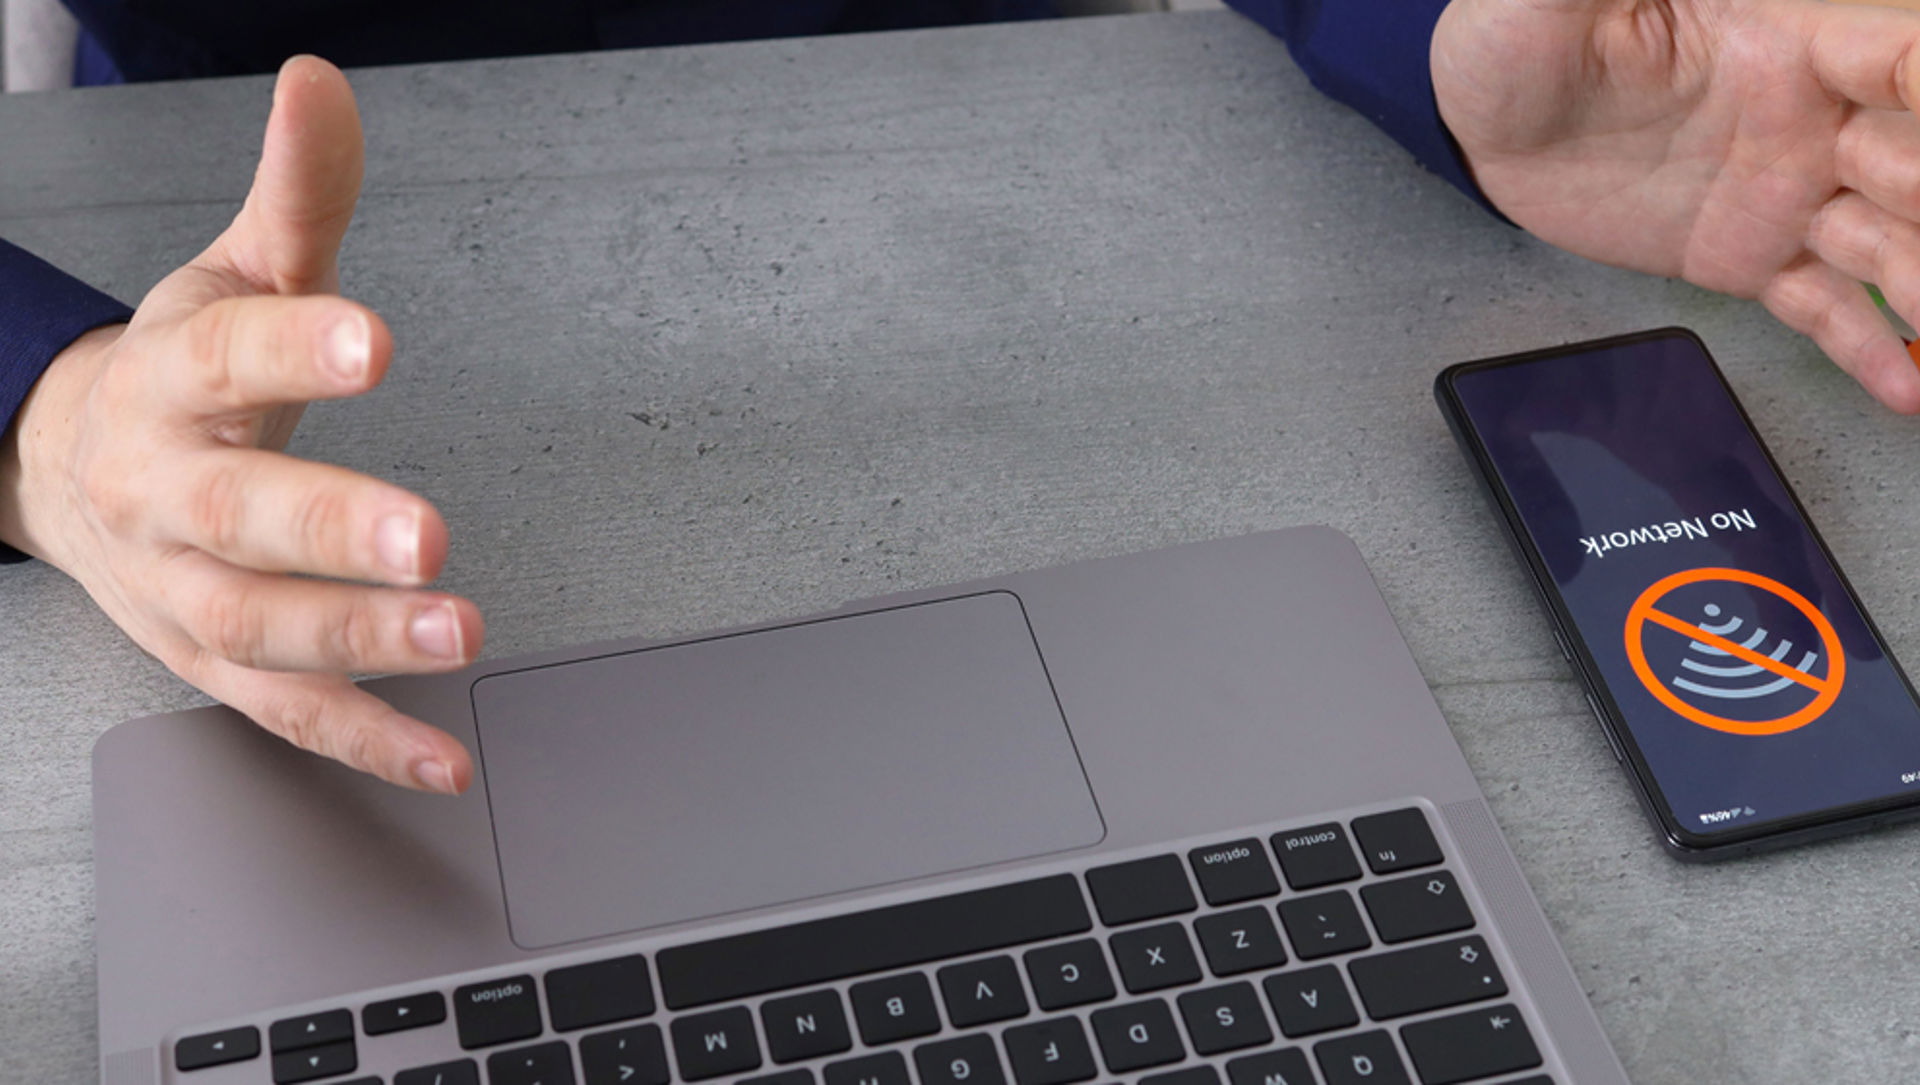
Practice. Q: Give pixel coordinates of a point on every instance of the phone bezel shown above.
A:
(1675, 837)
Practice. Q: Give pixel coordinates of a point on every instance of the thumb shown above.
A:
(287, 237)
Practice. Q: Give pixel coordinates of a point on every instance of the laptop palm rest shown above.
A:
(667, 784)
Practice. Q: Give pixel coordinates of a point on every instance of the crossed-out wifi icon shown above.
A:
(1732, 661)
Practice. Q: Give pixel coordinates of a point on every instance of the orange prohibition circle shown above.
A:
(1827, 689)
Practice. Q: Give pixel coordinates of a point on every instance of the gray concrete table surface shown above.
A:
(704, 336)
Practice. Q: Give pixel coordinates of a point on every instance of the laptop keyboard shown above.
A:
(1343, 953)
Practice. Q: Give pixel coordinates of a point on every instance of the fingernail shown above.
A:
(435, 776)
(436, 632)
(347, 347)
(396, 538)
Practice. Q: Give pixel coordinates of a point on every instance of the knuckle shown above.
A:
(230, 625)
(108, 491)
(299, 716)
(354, 638)
(210, 341)
(216, 508)
(353, 746)
(319, 523)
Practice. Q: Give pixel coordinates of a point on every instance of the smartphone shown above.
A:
(1738, 679)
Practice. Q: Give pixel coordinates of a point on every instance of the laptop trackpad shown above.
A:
(676, 783)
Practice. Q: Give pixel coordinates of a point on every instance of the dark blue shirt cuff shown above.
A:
(42, 310)
(1373, 55)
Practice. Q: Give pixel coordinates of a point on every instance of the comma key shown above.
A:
(634, 1055)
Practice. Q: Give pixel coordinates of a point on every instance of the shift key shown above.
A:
(1427, 978)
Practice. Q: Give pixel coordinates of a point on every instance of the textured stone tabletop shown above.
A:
(699, 337)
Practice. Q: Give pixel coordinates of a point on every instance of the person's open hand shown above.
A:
(145, 465)
(1763, 148)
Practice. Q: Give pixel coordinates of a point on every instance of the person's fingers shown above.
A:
(1833, 309)
(240, 355)
(285, 240)
(1878, 156)
(273, 513)
(283, 623)
(1872, 245)
(1864, 54)
(330, 716)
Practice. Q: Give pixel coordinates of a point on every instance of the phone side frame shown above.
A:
(1676, 840)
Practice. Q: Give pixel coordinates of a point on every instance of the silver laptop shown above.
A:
(1183, 818)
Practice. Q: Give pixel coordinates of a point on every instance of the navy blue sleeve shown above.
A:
(42, 309)
(1373, 56)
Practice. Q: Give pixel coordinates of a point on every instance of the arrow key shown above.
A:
(311, 1030)
(216, 1048)
(395, 1014)
(627, 1056)
(308, 1063)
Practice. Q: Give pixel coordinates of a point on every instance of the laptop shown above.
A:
(1182, 818)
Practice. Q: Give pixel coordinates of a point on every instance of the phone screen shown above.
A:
(1751, 685)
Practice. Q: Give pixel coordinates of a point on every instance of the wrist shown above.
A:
(36, 448)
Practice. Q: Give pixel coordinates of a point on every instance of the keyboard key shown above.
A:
(1323, 925)
(1427, 978)
(599, 993)
(635, 1055)
(1231, 873)
(978, 992)
(1368, 1058)
(396, 1014)
(1052, 1052)
(308, 1063)
(880, 940)
(711, 1044)
(1071, 974)
(1315, 856)
(499, 1012)
(886, 1068)
(541, 1064)
(463, 1072)
(1471, 1045)
(1400, 840)
(1224, 1018)
(1154, 957)
(310, 1030)
(969, 1060)
(894, 1008)
(1240, 941)
(1310, 1001)
(1137, 1035)
(1284, 1067)
(803, 1026)
(1417, 907)
(216, 1048)
(1142, 889)
(784, 1077)
(1191, 1075)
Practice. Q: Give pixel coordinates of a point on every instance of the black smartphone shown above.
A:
(1738, 679)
